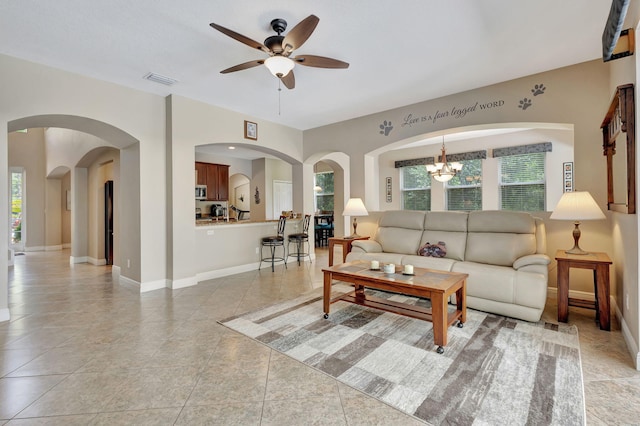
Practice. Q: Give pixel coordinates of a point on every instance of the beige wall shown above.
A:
(105, 167)
(53, 216)
(65, 185)
(26, 150)
(624, 228)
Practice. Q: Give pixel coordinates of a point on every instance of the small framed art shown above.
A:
(388, 189)
(567, 172)
(250, 130)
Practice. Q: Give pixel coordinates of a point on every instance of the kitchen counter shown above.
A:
(222, 222)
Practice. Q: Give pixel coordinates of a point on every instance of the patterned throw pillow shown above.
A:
(433, 250)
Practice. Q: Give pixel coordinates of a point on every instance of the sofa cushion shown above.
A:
(438, 263)
(400, 231)
(499, 237)
(488, 281)
(450, 227)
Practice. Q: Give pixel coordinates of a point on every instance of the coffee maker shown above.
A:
(217, 211)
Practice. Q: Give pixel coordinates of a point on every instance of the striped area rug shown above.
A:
(494, 371)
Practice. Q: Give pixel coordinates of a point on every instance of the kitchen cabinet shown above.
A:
(201, 173)
(216, 177)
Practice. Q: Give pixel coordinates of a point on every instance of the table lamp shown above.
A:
(355, 207)
(577, 206)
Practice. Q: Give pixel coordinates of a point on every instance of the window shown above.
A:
(522, 182)
(324, 196)
(464, 191)
(415, 188)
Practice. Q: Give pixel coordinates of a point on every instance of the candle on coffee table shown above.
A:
(375, 264)
(408, 269)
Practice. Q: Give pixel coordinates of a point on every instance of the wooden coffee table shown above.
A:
(425, 283)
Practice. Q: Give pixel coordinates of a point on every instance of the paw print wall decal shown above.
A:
(525, 103)
(385, 128)
(538, 89)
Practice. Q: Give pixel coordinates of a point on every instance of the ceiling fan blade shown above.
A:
(299, 34)
(242, 39)
(319, 62)
(289, 80)
(243, 66)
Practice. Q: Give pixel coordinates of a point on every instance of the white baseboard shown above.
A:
(632, 345)
(115, 272)
(78, 259)
(181, 283)
(137, 286)
(53, 248)
(97, 262)
(218, 273)
(34, 248)
(153, 285)
(5, 315)
(575, 294)
(66, 245)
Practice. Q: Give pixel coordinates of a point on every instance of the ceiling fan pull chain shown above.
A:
(279, 92)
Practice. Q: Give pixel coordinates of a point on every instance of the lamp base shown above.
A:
(576, 250)
(576, 237)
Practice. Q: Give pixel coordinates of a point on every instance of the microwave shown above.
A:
(201, 192)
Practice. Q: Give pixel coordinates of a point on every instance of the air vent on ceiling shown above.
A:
(157, 78)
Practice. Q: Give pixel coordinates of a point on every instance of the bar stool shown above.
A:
(273, 242)
(299, 239)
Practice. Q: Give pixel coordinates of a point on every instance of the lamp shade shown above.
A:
(578, 205)
(279, 65)
(355, 207)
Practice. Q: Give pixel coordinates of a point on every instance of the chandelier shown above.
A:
(443, 171)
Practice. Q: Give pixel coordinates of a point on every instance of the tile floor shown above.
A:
(81, 350)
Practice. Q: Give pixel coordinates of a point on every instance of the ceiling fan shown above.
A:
(279, 48)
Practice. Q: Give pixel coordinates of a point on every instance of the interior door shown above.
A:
(282, 197)
(108, 222)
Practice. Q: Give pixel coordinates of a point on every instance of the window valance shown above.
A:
(522, 149)
(474, 155)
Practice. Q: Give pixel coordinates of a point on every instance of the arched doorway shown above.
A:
(81, 154)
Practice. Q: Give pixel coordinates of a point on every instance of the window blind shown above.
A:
(522, 182)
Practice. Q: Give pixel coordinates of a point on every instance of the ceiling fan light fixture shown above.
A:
(279, 65)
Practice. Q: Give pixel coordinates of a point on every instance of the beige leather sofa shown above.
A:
(503, 252)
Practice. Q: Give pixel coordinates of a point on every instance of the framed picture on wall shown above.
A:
(567, 171)
(388, 188)
(250, 130)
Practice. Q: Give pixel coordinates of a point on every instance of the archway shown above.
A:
(113, 143)
(456, 141)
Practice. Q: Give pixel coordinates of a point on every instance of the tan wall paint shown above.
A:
(105, 167)
(66, 214)
(53, 216)
(26, 150)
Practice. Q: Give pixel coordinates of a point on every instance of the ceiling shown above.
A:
(399, 52)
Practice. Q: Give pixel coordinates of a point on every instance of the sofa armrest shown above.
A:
(532, 259)
(367, 246)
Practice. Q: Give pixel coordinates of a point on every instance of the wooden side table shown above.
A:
(346, 246)
(599, 263)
